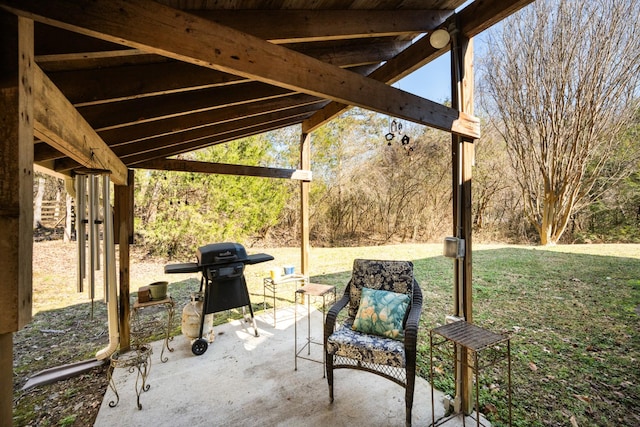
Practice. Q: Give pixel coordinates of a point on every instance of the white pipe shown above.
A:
(81, 194)
(96, 222)
(106, 233)
(110, 283)
(92, 236)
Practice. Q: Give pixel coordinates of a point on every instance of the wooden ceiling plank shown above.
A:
(295, 26)
(60, 125)
(276, 26)
(157, 29)
(180, 165)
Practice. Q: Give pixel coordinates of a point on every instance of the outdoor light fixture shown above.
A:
(439, 38)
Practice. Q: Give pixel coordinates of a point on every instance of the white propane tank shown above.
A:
(191, 315)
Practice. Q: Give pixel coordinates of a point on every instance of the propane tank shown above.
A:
(191, 316)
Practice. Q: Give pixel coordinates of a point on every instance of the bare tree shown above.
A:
(559, 80)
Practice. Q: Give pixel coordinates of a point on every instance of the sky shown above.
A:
(431, 81)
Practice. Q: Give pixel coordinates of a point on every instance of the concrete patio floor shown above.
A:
(243, 380)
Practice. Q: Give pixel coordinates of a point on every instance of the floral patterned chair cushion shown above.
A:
(348, 343)
(394, 276)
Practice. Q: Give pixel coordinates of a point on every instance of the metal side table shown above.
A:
(311, 290)
(169, 305)
(476, 340)
(271, 285)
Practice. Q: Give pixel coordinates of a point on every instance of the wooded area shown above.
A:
(364, 191)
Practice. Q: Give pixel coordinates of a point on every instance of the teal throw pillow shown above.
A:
(381, 313)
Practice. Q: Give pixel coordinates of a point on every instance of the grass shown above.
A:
(573, 313)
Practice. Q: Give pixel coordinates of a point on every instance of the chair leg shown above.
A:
(329, 363)
(411, 380)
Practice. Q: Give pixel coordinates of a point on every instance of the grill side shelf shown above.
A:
(187, 267)
(258, 258)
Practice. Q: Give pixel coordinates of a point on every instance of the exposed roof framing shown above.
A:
(149, 80)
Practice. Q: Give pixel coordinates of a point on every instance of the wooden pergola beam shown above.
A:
(60, 125)
(224, 169)
(169, 32)
(478, 16)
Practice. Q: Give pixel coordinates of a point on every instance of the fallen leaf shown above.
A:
(585, 399)
(533, 366)
(574, 422)
(490, 408)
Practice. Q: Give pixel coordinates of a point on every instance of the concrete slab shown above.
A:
(243, 380)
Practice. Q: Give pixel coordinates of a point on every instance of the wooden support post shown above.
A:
(16, 193)
(305, 164)
(123, 233)
(462, 159)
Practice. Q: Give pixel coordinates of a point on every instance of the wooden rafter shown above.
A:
(224, 169)
(228, 133)
(125, 113)
(211, 130)
(146, 130)
(169, 32)
(60, 125)
(85, 82)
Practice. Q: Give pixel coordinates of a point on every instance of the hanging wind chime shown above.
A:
(396, 127)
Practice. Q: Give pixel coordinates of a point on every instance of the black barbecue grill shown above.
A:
(222, 267)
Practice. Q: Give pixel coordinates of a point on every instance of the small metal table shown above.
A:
(138, 360)
(169, 305)
(311, 290)
(474, 339)
(271, 285)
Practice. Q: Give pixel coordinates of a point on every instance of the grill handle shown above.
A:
(225, 258)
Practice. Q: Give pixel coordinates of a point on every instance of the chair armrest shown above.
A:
(413, 320)
(332, 314)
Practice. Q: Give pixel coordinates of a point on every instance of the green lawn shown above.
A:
(573, 313)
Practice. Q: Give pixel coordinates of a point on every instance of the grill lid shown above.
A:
(221, 253)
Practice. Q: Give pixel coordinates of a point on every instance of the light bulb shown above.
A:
(439, 38)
